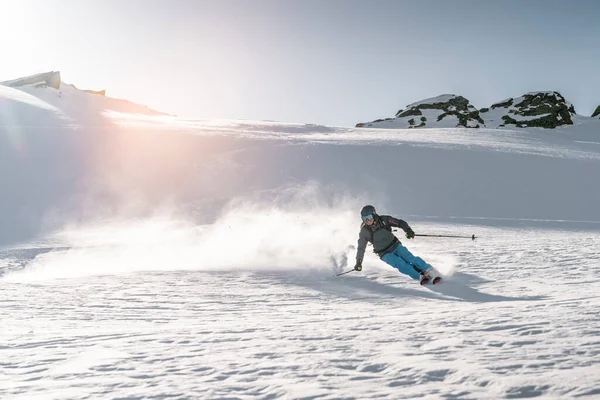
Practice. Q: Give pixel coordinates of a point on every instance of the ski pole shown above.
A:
(472, 237)
(449, 236)
(344, 273)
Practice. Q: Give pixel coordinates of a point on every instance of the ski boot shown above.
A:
(424, 278)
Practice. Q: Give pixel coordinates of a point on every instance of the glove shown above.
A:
(358, 267)
(410, 234)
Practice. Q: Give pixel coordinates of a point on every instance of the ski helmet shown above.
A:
(367, 210)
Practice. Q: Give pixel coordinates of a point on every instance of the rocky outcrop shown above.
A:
(98, 92)
(536, 109)
(447, 110)
(47, 79)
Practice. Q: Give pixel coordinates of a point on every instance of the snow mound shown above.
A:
(444, 111)
(443, 98)
(531, 110)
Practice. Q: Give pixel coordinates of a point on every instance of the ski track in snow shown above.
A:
(518, 318)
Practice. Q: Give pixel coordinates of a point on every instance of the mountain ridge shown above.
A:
(48, 91)
(540, 109)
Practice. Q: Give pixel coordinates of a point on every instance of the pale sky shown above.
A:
(328, 62)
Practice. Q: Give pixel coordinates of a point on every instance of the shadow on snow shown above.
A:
(458, 287)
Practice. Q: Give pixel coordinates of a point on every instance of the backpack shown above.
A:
(378, 221)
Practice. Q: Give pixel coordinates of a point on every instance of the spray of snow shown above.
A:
(293, 231)
(304, 227)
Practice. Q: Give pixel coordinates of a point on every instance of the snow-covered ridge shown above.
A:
(38, 94)
(51, 79)
(536, 109)
(443, 98)
(544, 109)
(445, 111)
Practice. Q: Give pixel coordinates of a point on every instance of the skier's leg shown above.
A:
(407, 256)
(401, 265)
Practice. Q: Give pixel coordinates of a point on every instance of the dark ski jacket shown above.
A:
(380, 235)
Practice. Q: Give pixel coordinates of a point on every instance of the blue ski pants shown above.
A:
(403, 260)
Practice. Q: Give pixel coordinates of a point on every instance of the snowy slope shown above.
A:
(145, 255)
(47, 91)
(21, 110)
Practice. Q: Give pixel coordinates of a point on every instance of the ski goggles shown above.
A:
(366, 217)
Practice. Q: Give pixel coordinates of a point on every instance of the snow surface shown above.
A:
(149, 256)
(444, 98)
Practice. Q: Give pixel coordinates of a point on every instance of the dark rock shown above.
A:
(506, 103)
(408, 113)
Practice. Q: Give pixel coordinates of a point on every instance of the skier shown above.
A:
(377, 229)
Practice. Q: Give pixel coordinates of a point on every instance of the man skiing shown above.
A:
(377, 229)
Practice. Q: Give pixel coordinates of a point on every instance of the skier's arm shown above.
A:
(399, 223)
(363, 239)
(396, 222)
